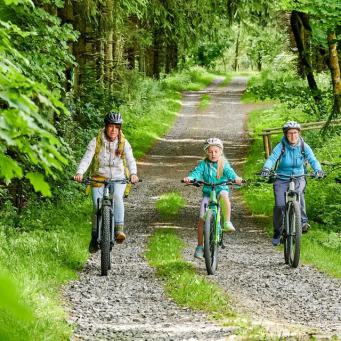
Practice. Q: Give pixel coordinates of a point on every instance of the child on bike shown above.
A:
(213, 168)
(110, 156)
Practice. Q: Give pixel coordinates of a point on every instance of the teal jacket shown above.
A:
(207, 171)
(292, 160)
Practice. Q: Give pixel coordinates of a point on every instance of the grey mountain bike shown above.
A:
(291, 226)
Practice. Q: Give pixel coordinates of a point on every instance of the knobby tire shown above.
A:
(294, 231)
(210, 245)
(105, 241)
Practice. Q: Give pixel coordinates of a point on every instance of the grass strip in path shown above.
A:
(205, 101)
(189, 289)
(169, 204)
(182, 283)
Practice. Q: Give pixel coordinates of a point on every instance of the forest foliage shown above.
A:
(64, 64)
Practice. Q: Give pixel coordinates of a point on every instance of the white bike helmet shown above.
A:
(291, 125)
(213, 141)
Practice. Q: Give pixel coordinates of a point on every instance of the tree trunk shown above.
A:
(171, 57)
(335, 74)
(66, 15)
(106, 21)
(259, 62)
(130, 52)
(142, 60)
(149, 61)
(236, 54)
(299, 22)
(157, 50)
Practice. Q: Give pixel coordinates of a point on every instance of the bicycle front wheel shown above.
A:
(210, 244)
(105, 241)
(294, 232)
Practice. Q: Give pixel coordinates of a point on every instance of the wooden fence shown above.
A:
(305, 126)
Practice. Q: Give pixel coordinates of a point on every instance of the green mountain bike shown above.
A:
(213, 232)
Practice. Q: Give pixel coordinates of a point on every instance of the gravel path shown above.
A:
(130, 303)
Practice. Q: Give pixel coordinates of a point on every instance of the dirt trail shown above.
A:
(130, 303)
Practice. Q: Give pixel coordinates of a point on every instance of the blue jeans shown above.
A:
(118, 209)
(280, 187)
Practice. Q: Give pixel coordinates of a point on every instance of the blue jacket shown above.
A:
(207, 171)
(292, 160)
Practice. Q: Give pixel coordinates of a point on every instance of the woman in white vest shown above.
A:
(110, 157)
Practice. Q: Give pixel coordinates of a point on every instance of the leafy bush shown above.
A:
(292, 92)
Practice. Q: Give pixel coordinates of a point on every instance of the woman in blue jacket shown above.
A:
(213, 169)
(290, 156)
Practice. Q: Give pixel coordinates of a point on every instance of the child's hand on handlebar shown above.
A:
(187, 180)
(238, 181)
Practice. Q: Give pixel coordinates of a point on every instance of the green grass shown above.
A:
(181, 281)
(205, 101)
(323, 249)
(191, 290)
(169, 204)
(227, 79)
(35, 260)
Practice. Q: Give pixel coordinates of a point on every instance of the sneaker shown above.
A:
(276, 240)
(228, 227)
(120, 237)
(305, 227)
(93, 246)
(199, 252)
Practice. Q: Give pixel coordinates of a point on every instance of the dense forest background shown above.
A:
(64, 64)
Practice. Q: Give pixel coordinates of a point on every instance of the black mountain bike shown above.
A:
(213, 232)
(105, 224)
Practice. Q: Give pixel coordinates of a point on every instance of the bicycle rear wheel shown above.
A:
(294, 232)
(105, 241)
(210, 245)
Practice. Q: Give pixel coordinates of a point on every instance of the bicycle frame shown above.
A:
(106, 200)
(291, 194)
(214, 206)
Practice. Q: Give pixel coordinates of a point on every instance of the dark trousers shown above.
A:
(280, 187)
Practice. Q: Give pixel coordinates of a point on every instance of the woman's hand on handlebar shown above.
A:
(78, 177)
(134, 179)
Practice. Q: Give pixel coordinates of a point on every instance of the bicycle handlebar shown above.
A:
(88, 180)
(310, 175)
(197, 183)
(277, 175)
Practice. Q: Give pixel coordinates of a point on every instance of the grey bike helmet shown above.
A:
(113, 118)
(291, 125)
(213, 141)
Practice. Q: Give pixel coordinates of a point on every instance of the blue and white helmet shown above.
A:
(213, 141)
(291, 125)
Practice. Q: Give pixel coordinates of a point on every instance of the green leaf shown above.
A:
(9, 168)
(38, 183)
(9, 299)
